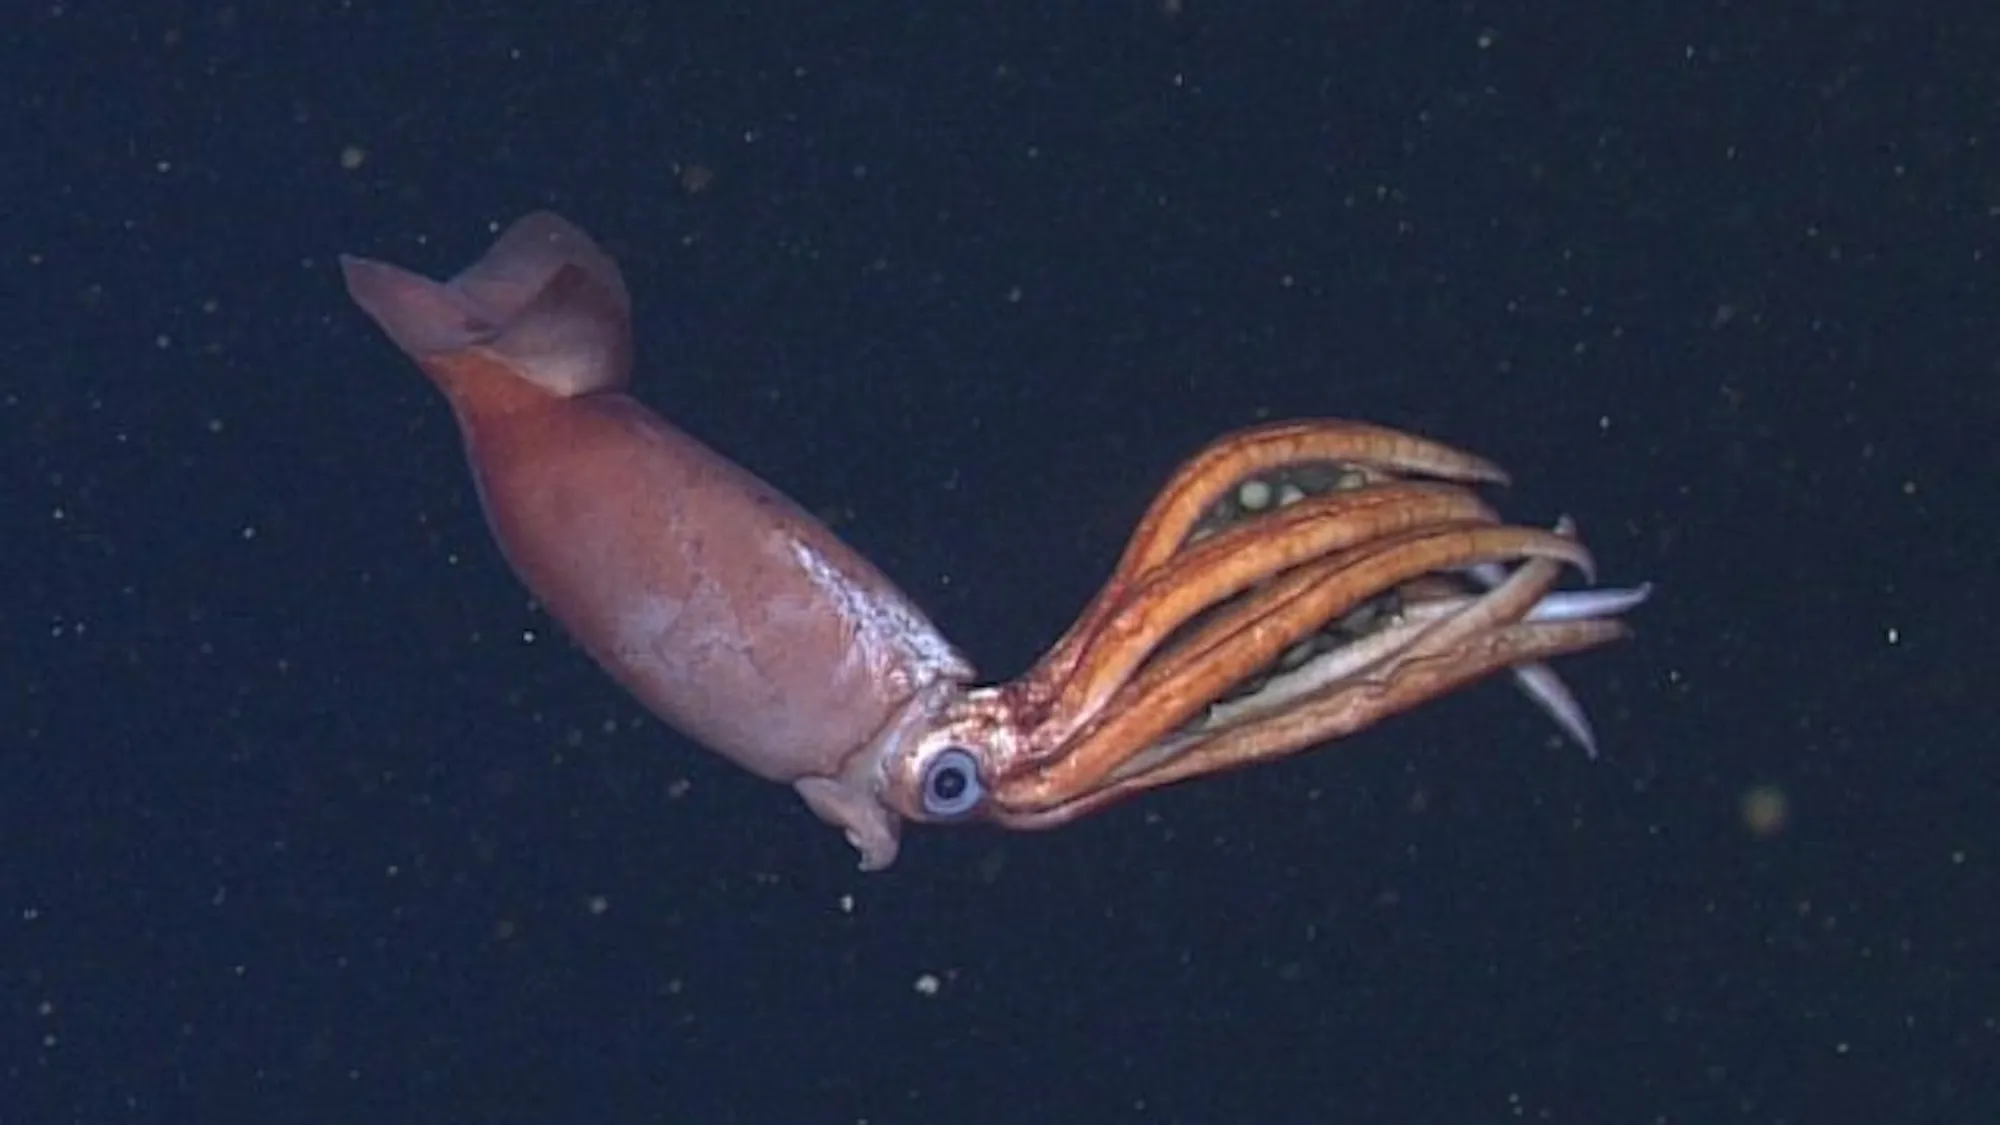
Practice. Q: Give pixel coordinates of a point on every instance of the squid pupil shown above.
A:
(950, 783)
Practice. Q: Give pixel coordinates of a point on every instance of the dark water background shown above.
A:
(306, 815)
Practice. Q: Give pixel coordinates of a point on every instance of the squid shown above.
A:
(1291, 584)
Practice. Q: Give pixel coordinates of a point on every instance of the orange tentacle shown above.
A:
(1170, 691)
(1229, 460)
(1077, 678)
(1224, 464)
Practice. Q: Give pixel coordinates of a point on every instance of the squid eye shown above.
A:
(951, 784)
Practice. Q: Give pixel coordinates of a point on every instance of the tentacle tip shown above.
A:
(1586, 563)
(1577, 726)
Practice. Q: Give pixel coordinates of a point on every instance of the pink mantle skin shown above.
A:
(721, 605)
